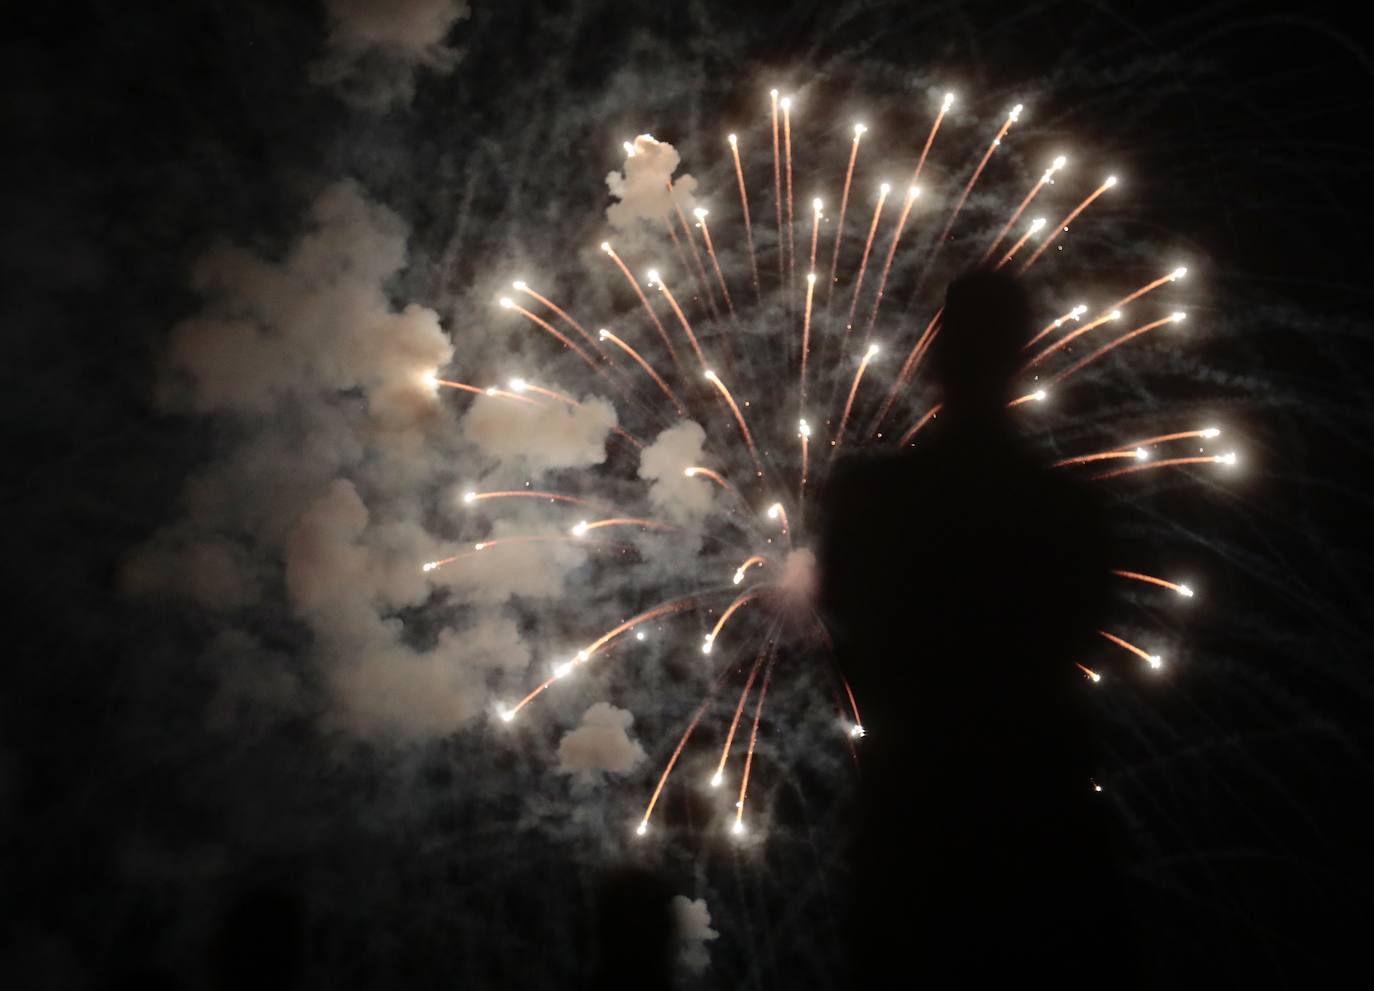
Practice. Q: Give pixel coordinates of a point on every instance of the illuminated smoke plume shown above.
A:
(641, 190)
(601, 743)
(375, 47)
(693, 922)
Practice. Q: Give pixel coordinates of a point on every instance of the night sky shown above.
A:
(190, 792)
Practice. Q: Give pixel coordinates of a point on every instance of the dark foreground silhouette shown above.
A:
(961, 581)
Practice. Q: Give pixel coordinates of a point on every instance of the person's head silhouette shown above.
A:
(985, 324)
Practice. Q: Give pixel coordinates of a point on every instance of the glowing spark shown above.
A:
(1063, 225)
(744, 207)
(1182, 590)
(714, 379)
(859, 130)
(1154, 660)
(1089, 673)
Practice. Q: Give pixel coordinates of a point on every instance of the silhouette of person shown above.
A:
(960, 580)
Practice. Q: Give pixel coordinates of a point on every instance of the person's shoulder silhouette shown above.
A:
(959, 579)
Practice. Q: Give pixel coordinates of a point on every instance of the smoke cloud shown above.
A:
(375, 48)
(693, 923)
(641, 189)
(601, 744)
(663, 464)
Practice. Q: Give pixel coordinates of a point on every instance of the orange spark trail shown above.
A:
(815, 231)
(464, 387)
(644, 300)
(930, 138)
(715, 263)
(562, 313)
(1183, 590)
(672, 761)
(753, 742)
(667, 608)
(720, 623)
(658, 379)
(714, 379)
(805, 453)
(1151, 659)
(1088, 672)
(778, 510)
(1106, 316)
(1040, 184)
(714, 476)
(1143, 329)
(806, 334)
(1163, 280)
(930, 414)
(777, 184)
(1028, 397)
(1209, 433)
(911, 195)
(844, 204)
(485, 544)
(749, 563)
(973, 179)
(703, 285)
(744, 205)
(1214, 459)
(681, 319)
(1021, 242)
(849, 403)
(739, 711)
(883, 190)
(472, 497)
(623, 521)
(1084, 459)
(1063, 225)
(550, 328)
(1055, 324)
(908, 369)
(853, 705)
(787, 146)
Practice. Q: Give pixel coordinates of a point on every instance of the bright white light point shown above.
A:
(1037, 223)
(699, 213)
(429, 566)
(1179, 272)
(579, 529)
(739, 577)
(561, 670)
(1111, 181)
(706, 647)
(709, 375)
(1015, 112)
(738, 827)
(653, 276)
(517, 385)
(856, 731)
(469, 496)
(639, 635)
(885, 188)
(479, 546)
(491, 390)
(506, 302)
(690, 472)
(1060, 162)
(1212, 432)
(859, 129)
(1040, 395)
(732, 139)
(582, 655)
(1185, 591)
(603, 333)
(629, 148)
(1156, 661)
(787, 103)
(872, 350)
(1097, 787)
(774, 510)
(715, 780)
(773, 93)
(803, 428)
(1114, 315)
(641, 829)
(430, 379)
(519, 285)
(606, 246)
(1096, 678)
(1229, 458)
(1141, 454)
(1078, 310)
(949, 101)
(816, 204)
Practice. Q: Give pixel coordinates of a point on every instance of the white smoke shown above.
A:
(693, 924)
(664, 462)
(540, 437)
(375, 47)
(601, 744)
(643, 199)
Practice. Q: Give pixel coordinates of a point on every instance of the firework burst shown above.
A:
(724, 326)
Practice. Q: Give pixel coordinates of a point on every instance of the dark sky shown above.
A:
(143, 845)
